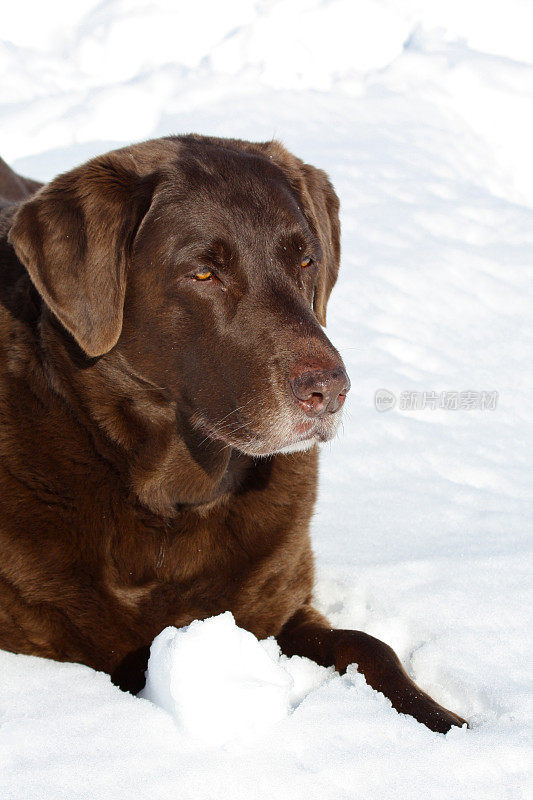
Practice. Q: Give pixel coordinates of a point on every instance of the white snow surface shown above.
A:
(421, 114)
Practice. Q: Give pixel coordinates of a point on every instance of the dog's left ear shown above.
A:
(74, 237)
(320, 206)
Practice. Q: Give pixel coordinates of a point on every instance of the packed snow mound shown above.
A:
(219, 682)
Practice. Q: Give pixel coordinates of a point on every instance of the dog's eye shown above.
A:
(306, 262)
(203, 275)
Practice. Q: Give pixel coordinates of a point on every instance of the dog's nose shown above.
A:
(320, 391)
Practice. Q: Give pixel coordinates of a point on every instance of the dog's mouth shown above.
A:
(283, 434)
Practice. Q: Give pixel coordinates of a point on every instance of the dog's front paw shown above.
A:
(384, 672)
(427, 711)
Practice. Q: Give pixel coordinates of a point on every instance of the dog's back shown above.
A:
(14, 187)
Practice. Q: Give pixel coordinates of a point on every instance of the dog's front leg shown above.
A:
(308, 634)
(129, 675)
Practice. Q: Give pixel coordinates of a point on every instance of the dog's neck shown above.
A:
(147, 438)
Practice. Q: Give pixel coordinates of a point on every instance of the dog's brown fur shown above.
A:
(143, 410)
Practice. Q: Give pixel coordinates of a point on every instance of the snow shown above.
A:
(420, 112)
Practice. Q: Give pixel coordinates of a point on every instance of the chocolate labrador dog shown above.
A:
(164, 382)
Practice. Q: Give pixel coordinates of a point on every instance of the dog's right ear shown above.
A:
(74, 237)
(321, 207)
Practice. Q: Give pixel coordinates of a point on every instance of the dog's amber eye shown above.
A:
(306, 262)
(204, 275)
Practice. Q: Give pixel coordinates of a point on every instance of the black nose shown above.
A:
(320, 391)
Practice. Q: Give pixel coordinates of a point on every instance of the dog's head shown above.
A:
(207, 264)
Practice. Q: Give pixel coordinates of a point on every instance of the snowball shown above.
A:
(217, 681)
